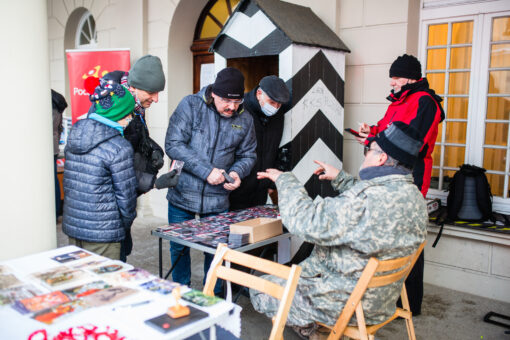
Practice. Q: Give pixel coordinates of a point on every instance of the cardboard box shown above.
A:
(259, 228)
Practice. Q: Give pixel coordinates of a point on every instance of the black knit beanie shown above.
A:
(229, 84)
(406, 66)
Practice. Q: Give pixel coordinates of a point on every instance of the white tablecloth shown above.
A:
(129, 321)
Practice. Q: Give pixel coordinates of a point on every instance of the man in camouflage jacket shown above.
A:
(383, 215)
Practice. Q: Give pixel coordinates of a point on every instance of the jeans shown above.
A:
(182, 270)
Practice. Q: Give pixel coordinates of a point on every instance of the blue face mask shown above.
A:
(268, 109)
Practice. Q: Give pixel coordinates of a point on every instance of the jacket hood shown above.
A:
(86, 134)
(421, 85)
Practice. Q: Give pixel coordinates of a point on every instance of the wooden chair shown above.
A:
(283, 293)
(389, 271)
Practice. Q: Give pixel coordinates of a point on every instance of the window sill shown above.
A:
(472, 234)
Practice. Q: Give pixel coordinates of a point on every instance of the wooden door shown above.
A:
(255, 68)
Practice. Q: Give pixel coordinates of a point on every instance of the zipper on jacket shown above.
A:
(211, 159)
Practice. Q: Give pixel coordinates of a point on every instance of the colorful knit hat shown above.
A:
(112, 101)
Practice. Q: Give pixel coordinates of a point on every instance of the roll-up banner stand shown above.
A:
(82, 64)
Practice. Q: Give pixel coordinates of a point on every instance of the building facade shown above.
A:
(464, 47)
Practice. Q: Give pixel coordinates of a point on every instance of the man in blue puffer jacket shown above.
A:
(99, 177)
(212, 135)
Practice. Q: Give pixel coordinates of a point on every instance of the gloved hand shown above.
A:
(168, 180)
(157, 159)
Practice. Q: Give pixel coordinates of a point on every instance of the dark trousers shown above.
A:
(58, 201)
(414, 285)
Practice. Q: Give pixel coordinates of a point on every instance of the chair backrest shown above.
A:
(376, 274)
(283, 293)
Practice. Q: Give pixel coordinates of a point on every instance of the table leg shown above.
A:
(160, 257)
(176, 261)
(212, 332)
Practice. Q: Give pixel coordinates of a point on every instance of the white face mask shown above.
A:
(268, 109)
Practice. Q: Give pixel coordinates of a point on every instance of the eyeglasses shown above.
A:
(367, 148)
(231, 101)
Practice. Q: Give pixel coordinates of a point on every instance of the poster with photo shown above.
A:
(59, 276)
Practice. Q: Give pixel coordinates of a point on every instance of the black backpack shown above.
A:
(469, 196)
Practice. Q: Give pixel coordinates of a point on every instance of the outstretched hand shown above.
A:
(326, 171)
(271, 174)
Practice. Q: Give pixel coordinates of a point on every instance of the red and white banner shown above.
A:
(91, 63)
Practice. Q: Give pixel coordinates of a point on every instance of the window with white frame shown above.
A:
(86, 36)
(466, 58)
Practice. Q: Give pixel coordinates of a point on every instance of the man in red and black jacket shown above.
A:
(414, 103)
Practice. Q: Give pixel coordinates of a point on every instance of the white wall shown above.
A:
(27, 205)
(469, 260)
(119, 24)
(376, 31)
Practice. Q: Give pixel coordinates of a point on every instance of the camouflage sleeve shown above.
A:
(344, 181)
(321, 221)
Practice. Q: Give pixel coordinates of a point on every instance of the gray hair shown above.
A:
(390, 161)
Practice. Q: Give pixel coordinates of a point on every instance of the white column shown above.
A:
(27, 200)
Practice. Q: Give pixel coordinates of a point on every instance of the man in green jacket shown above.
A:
(383, 215)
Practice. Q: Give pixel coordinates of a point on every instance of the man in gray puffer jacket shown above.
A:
(99, 177)
(212, 136)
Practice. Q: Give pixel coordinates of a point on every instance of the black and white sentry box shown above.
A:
(310, 58)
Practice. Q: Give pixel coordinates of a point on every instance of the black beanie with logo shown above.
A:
(229, 84)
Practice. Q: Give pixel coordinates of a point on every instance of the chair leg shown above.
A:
(410, 328)
(405, 305)
(272, 321)
(362, 326)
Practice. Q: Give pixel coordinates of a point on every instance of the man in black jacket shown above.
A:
(267, 103)
(145, 80)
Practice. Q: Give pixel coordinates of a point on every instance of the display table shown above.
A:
(205, 234)
(95, 311)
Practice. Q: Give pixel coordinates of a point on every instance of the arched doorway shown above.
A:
(209, 24)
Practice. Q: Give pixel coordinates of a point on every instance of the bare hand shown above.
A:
(326, 171)
(236, 184)
(215, 177)
(364, 131)
(360, 140)
(271, 174)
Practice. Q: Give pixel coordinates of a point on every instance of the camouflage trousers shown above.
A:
(303, 311)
